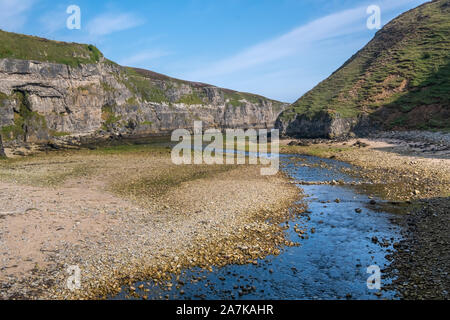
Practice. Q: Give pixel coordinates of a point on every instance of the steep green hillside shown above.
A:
(401, 78)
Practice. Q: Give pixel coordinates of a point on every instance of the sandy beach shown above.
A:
(126, 214)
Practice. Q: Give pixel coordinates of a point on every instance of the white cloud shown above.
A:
(143, 57)
(109, 23)
(13, 13)
(342, 23)
(287, 44)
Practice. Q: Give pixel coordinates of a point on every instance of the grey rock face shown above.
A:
(323, 125)
(68, 99)
(44, 100)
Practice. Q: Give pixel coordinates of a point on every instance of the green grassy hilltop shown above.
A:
(24, 47)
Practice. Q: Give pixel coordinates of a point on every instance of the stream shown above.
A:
(331, 261)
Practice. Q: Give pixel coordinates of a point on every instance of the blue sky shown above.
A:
(276, 48)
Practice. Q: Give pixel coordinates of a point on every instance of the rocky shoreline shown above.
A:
(121, 239)
(420, 263)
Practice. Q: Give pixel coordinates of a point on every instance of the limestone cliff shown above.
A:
(45, 100)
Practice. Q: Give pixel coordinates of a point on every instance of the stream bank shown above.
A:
(339, 237)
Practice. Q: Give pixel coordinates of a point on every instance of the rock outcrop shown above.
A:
(323, 125)
(2, 151)
(41, 101)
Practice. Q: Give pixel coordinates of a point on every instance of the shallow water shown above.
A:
(330, 263)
